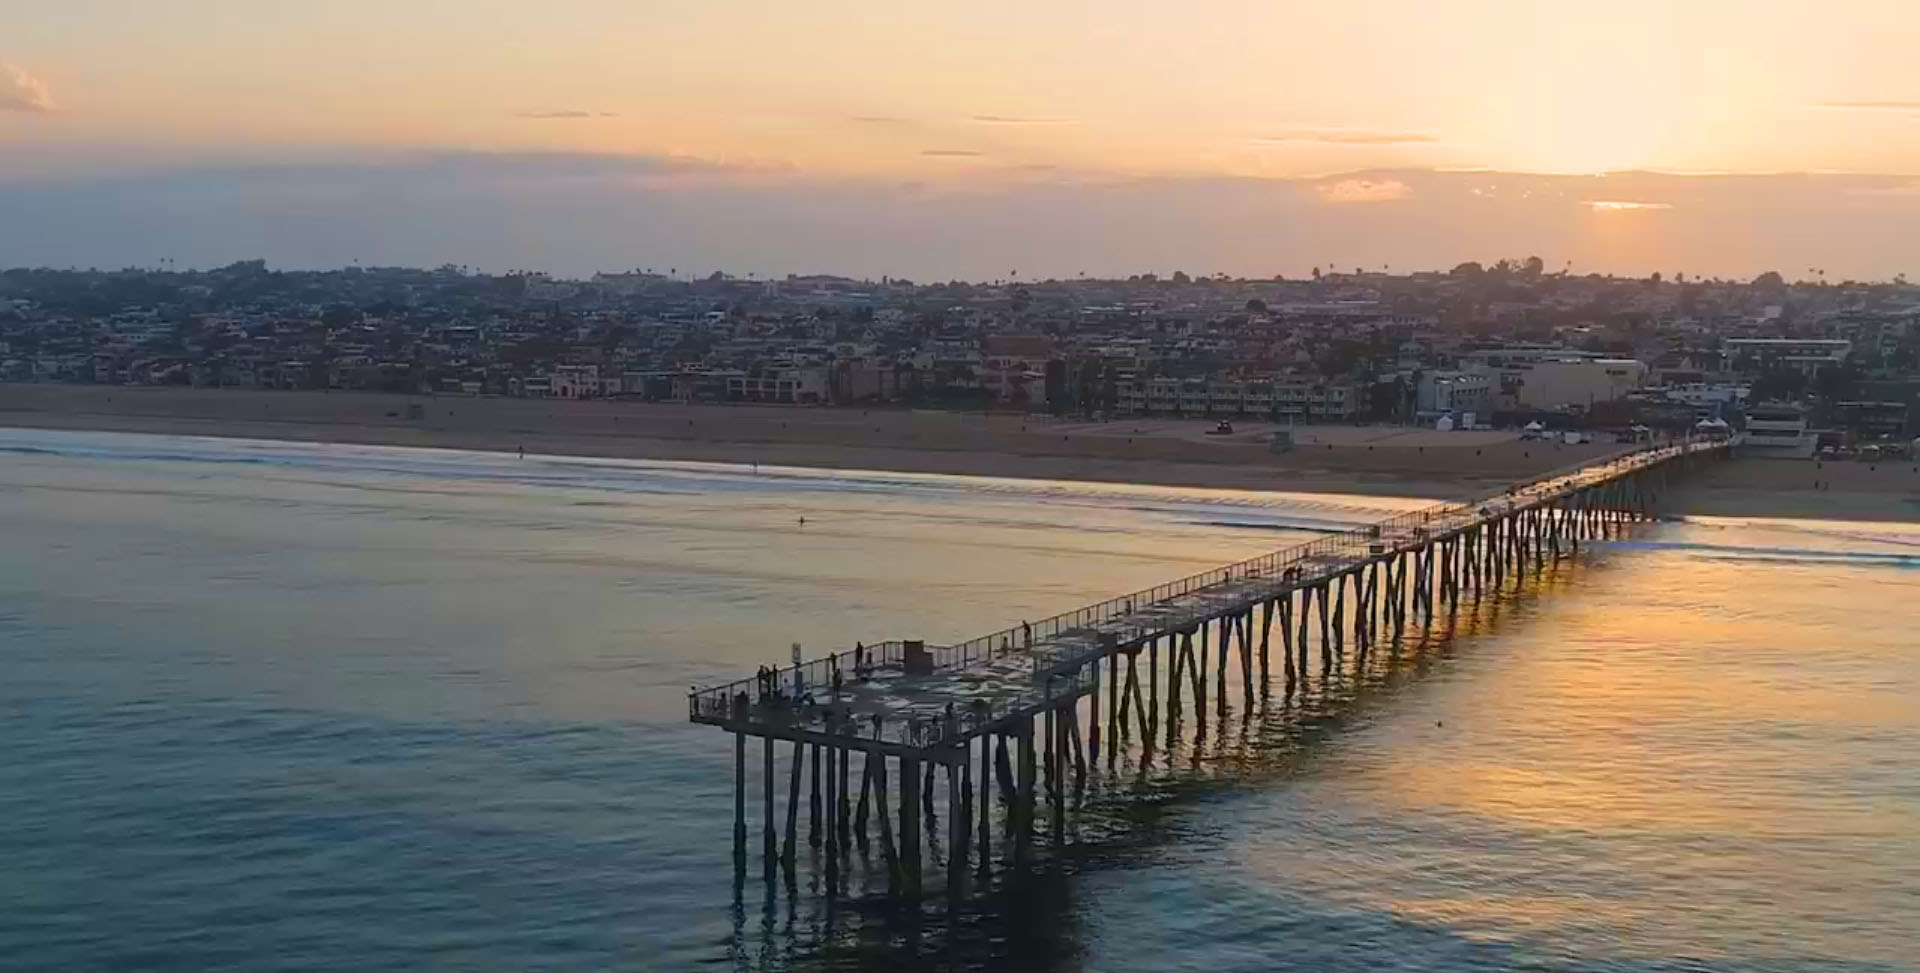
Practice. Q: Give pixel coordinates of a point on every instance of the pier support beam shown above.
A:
(909, 828)
(986, 801)
(1023, 797)
(768, 845)
(739, 805)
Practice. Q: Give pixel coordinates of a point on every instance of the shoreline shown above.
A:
(1384, 461)
(1353, 460)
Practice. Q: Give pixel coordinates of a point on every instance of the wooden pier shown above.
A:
(1032, 707)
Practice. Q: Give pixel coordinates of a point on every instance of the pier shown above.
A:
(1037, 705)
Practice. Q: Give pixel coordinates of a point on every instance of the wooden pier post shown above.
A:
(1093, 715)
(1052, 758)
(1226, 627)
(1339, 613)
(843, 814)
(1113, 707)
(986, 801)
(813, 799)
(860, 810)
(1246, 660)
(956, 830)
(909, 828)
(1057, 730)
(1023, 799)
(1266, 633)
(739, 804)
(1326, 641)
(877, 766)
(1300, 630)
(1200, 680)
(1285, 604)
(1153, 688)
(833, 842)
(769, 848)
(793, 806)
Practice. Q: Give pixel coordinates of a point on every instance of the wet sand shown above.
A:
(1334, 459)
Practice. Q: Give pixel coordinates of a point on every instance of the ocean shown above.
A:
(279, 706)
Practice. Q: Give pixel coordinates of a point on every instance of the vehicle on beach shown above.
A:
(1225, 428)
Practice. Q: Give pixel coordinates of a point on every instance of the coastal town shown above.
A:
(1820, 364)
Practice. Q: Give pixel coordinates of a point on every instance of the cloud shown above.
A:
(1894, 106)
(880, 119)
(577, 213)
(568, 113)
(1364, 191)
(952, 153)
(1347, 136)
(20, 91)
(1622, 205)
(1904, 190)
(1017, 120)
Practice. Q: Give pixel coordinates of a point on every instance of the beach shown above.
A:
(1384, 460)
(1372, 460)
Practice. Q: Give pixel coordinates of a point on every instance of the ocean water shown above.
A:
(296, 707)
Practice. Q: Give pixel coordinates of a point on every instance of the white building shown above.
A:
(1443, 392)
(1546, 379)
(791, 386)
(1778, 430)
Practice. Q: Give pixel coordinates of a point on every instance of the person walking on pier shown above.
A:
(1026, 635)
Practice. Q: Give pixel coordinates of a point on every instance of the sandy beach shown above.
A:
(1335, 459)
(1382, 460)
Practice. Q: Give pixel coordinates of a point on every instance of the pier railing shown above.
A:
(1129, 617)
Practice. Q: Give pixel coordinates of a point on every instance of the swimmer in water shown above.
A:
(803, 521)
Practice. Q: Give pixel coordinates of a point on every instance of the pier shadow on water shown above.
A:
(1124, 817)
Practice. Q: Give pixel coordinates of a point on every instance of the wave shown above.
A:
(480, 469)
(1739, 552)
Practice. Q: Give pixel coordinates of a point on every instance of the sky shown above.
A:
(948, 139)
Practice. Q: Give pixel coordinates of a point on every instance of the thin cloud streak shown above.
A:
(1622, 205)
(1347, 137)
(1017, 120)
(952, 153)
(22, 92)
(1349, 191)
(565, 114)
(1891, 106)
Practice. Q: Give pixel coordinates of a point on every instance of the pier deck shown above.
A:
(909, 698)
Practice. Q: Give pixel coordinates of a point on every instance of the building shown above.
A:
(787, 386)
(1871, 420)
(1548, 379)
(1754, 356)
(1298, 397)
(1778, 430)
(1456, 393)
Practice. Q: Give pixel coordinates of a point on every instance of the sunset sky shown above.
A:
(916, 138)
